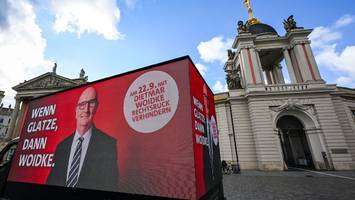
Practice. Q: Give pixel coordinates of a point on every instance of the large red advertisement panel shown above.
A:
(130, 133)
(205, 136)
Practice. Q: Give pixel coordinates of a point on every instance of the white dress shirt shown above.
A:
(84, 148)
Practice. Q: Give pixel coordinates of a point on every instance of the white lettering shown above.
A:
(42, 125)
(199, 115)
(34, 143)
(199, 127)
(36, 160)
(197, 103)
(43, 111)
(22, 160)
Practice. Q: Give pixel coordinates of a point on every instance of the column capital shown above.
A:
(286, 48)
(257, 50)
(247, 46)
(17, 98)
(299, 42)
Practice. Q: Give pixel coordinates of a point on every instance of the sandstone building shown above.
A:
(267, 124)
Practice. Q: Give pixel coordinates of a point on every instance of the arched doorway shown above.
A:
(294, 144)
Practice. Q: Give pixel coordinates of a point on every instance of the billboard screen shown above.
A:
(126, 133)
(205, 141)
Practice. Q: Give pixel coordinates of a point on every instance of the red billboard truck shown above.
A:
(145, 134)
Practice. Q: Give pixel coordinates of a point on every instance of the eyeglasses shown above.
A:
(92, 103)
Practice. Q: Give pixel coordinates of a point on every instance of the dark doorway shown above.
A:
(294, 143)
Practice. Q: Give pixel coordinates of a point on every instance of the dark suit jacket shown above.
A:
(99, 170)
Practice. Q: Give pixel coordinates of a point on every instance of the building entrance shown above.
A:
(295, 148)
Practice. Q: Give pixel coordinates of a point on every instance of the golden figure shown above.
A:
(250, 11)
(252, 20)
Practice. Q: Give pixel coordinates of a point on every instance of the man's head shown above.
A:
(85, 110)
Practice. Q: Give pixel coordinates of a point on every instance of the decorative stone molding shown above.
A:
(47, 82)
(312, 131)
(286, 48)
(247, 46)
(299, 42)
(293, 104)
(303, 109)
(38, 86)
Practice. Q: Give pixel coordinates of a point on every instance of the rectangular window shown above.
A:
(1, 120)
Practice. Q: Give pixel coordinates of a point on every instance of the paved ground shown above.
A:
(289, 185)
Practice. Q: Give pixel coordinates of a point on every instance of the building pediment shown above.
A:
(48, 80)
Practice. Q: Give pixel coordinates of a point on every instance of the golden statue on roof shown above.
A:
(252, 20)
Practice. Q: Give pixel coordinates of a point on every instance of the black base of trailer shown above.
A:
(216, 193)
(21, 191)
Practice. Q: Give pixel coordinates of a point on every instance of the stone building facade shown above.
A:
(267, 124)
(41, 85)
(5, 119)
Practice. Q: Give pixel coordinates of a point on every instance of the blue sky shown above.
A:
(108, 37)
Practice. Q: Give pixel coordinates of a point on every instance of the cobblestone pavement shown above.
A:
(289, 185)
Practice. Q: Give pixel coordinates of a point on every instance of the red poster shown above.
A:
(204, 126)
(131, 133)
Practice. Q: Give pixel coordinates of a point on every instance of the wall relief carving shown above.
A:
(293, 104)
(48, 82)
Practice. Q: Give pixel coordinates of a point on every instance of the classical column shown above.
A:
(268, 77)
(290, 68)
(256, 65)
(272, 76)
(304, 64)
(20, 117)
(250, 65)
(280, 74)
(277, 74)
(260, 66)
(13, 118)
(312, 61)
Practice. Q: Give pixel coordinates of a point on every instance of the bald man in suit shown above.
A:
(87, 158)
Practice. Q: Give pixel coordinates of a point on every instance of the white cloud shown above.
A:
(324, 43)
(344, 21)
(219, 87)
(214, 49)
(343, 80)
(21, 47)
(323, 36)
(201, 68)
(339, 61)
(94, 16)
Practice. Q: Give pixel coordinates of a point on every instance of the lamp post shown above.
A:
(236, 169)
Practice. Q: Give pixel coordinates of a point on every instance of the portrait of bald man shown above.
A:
(87, 158)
